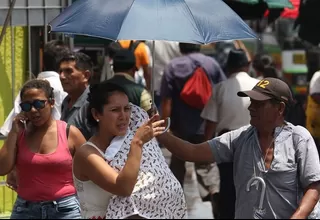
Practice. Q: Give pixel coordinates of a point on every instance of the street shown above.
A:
(196, 208)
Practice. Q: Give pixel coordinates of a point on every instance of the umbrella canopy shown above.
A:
(190, 21)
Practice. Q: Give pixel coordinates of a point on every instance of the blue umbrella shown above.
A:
(190, 21)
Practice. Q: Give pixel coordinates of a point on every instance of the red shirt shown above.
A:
(292, 13)
(45, 177)
(289, 13)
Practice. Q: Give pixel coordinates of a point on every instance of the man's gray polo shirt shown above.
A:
(294, 167)
(81, 122)
(68, 115)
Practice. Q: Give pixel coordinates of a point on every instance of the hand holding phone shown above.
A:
(19, 123)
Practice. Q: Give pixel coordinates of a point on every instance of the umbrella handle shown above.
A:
(263, 189)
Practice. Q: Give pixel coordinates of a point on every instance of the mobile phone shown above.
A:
(24, 122)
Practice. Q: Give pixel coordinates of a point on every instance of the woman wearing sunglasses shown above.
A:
(41, 150)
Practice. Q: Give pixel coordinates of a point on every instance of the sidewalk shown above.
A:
(196, 208)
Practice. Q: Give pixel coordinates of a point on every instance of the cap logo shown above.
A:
(263, 83)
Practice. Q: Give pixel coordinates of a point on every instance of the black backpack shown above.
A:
(116, 46)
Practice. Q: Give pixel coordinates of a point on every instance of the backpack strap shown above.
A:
(120, 46)
(133, 45)
(196, 62)
(198, 65)
(130, 45)
(68, 130)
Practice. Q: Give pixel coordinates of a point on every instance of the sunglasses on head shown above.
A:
(37, 104)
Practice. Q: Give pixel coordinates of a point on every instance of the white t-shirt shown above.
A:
(164, 52)
(225, 107)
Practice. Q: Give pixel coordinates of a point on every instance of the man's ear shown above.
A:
(87, 75)
(282, 107)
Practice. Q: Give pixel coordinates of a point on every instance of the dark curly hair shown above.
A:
(44, 85)
(99, 96)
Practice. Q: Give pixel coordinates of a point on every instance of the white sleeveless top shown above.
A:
(93, 199)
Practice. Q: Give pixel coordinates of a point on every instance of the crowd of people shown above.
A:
(77, 148)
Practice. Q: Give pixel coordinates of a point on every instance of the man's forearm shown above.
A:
(166, 104)
(176, 146)
(185, 150)
(308, 202)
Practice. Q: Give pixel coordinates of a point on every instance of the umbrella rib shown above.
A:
(194, 20)
(125, 19)
(83, 34)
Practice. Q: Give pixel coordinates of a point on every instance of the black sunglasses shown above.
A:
(37, 104)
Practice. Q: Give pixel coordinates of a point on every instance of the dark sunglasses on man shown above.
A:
(37, 104)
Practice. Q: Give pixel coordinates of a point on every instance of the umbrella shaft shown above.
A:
(152, 73)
